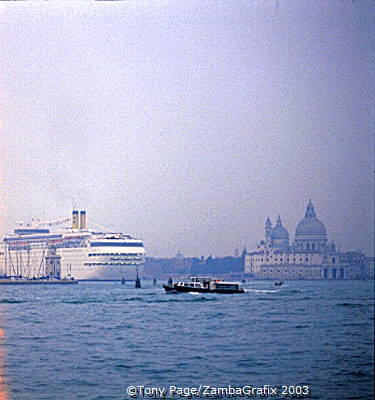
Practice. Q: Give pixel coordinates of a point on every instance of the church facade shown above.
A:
(310, 256)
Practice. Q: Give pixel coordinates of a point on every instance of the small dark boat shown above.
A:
(204, 285)
(278, 283)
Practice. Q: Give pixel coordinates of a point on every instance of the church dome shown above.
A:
(279, 232)
(310, 225)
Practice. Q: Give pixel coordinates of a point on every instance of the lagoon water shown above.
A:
(92, 340)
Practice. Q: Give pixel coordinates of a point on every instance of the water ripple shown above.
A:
(91, 341)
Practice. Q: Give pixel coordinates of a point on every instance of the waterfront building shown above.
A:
(191, 266)
(310, 256)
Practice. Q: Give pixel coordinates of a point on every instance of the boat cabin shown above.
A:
(227, 285)
(190, 284)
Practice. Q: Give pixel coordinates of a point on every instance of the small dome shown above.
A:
(279, 232)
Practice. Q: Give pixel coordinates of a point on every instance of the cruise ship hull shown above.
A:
(107, 273)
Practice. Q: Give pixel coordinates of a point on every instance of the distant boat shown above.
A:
(203, 285)
(278, 283)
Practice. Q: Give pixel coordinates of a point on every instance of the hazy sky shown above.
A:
(187, 123)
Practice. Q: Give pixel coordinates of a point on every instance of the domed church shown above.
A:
(311, 235)
(311, 256)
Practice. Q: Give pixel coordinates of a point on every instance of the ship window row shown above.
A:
(33, 239)
(226, 286)
(68, 245)
(114, 254)
(111, 263)
(116, 244)
(187, 284)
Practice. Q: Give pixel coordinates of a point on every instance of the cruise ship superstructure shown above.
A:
(74, 252)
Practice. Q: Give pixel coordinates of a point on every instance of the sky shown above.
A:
(187, 123)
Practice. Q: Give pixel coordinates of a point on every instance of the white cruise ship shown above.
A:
(75, 252)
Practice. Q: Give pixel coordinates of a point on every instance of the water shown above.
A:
(93, 340)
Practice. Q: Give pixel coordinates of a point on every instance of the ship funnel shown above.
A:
(82, 220)
(75, 219)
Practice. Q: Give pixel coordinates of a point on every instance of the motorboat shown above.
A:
(203, 285)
